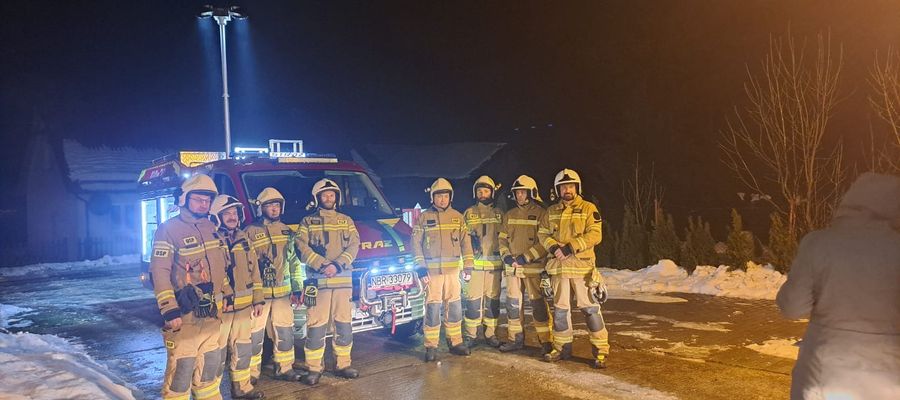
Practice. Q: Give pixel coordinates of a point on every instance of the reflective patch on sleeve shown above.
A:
(259, 235)
(286, 232)
(454, 220)
(190, 240)
(597, 215)
(170, 344)
(342, 222)
(161, 253)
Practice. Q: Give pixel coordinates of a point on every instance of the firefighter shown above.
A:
(247, 299)
(281, 275)
(328, 242)
(523, 257)
(569, 231)
(483, 294)
(188, 270)
(440, 244)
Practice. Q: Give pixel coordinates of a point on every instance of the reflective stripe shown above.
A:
(186, 396)
(338, 280)
(255, 360)
(514, 328)
(342, 351)
(541, 328)
(163, 245)
(557, 338)
(165, 295)
(240, 376)
(443, 264)
(442, 228)
(316, 354)
(283, 356)
(242, 301)
(345, 255)
(490, 322)
(502, 235)
(524, 222)
(209, 391)
(454, 330)
(190, 252)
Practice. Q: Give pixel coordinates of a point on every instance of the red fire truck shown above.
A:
(387, 292)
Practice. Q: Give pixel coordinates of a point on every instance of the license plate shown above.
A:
(378, 282)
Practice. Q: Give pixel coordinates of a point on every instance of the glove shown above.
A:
(509, 260)
(521, 260)
(553, 248)
(600, 293)
(546, 288)
(567, 249)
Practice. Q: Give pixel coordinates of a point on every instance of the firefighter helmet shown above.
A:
(485, 182)
(268, 195)
(323, 185)
(567, 176)
(221, 203)
(199, 184)
(440, 185)
(525, 182)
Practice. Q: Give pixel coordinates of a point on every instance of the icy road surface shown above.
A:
(664, 345)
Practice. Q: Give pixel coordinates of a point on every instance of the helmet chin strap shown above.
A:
(486, 202)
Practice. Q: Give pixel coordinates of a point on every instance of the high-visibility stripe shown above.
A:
(255, 360)
(346, 256)
(186, 396)
(209, 391)
(165, 294)
(441, 228)
(557, 338)
(163, 245)
(240, 375)
(541, 328)
(599, 342)
(490, 322)
(534, 253)
(522, 222)
(190, 252)
(454, 330)
(314, 354)
(279, 291)
(514, 328)
(243, 301)
(472, 323)
(338, 280)
(283, 356)
(343, 351)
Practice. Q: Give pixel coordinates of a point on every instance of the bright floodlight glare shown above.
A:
(223, 15)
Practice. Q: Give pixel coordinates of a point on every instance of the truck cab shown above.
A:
(387, 292)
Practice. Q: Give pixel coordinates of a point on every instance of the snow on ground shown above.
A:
(9, 319)
(50, 367)
(46, 268)
(680, 349)
(758, 282)
(784, 348)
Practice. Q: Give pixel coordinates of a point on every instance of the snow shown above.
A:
(47, 268)
(106, 164)
(51, 367)
(784, 348)
(758, 282)
(7, 313)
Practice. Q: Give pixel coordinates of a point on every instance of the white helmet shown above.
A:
(323, 185)
(525, 182)
(440, 185)
(485, 182)
(199, 184)
(221, 203)
(268, 195)
(567, 176)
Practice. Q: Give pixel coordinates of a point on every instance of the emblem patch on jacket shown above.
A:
(342, 222)
(454, 220)
(260, 235)
(286, 232)
(190, 240)
(160, 253)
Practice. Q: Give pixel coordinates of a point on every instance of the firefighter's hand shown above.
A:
(330, 271)
(174, 324)
(466, 274)
(296, 299)
(559, 254)
(425, 280)
(257, 310)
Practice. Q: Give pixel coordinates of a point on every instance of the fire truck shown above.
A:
(387, 291)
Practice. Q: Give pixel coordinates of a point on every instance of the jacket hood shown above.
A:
(872, 196)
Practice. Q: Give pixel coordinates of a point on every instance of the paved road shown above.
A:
(670, 346)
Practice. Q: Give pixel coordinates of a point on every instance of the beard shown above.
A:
(568, 196)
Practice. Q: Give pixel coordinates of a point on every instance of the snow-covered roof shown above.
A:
(106, 168)
(451, 161)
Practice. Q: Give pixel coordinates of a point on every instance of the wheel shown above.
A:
(408, 329)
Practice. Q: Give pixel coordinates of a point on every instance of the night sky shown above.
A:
(655, 77)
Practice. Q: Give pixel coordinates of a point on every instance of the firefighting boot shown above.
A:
(430, 354)
(599, 360)
(347, 373)
(311, 379)
(291, 375)
(556, 355)
(460, 350)
(518, 344)
(251, 395)
(492, 341)
(546, 348)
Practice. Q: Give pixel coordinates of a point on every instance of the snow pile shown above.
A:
(7, 319)
(784, 348)
(47, 268)
(50, 367)
(758, 282)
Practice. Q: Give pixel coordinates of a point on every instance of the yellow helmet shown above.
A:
(440, 185)
(567, 176)
(199, 184)
(485, 182)
(525, 182)
(323, 185)
(221, 203)
(268, 195)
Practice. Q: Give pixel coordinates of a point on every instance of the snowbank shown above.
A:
(50, 367)
(47, 268)
(758, 282)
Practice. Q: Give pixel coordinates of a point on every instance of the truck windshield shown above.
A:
(361, 199)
